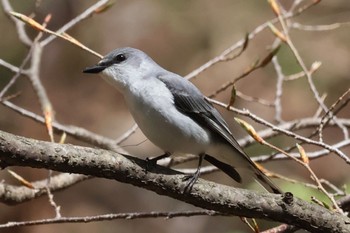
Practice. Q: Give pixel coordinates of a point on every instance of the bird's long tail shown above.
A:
(266, 181)
(228, 158)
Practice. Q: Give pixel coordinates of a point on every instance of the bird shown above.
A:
(174, 115)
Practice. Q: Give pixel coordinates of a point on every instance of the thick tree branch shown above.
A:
(20, 151)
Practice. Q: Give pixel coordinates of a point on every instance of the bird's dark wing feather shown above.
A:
(191, 102)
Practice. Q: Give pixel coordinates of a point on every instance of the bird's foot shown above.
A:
(190, 181)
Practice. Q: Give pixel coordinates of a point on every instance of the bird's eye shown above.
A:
(119, 58)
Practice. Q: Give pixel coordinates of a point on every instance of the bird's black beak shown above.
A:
(94, 69)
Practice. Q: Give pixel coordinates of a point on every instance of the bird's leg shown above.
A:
(153, 161)
(191, 179)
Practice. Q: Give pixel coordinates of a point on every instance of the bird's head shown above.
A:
(123, 67)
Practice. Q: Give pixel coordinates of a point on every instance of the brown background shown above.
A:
(180, 36)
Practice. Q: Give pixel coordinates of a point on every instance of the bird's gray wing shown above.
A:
(191, 102)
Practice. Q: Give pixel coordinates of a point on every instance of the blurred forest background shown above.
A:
(180, 36)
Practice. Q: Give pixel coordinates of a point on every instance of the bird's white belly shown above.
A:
(155, 113)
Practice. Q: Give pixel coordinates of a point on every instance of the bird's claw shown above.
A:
(190, 181)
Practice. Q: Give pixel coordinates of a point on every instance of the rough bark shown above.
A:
(21, 151)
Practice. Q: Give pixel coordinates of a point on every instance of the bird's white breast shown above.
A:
(152, 106)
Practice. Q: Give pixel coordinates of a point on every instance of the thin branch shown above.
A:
(335, 189)
(127, 134)
(76, 132)
(279, 86)
(330, 114)
(304, 68)
(253, 99)
(304, 161)
(20, 26)
(11, 67)
(241, 42)
(306, 165)
(306, 7)
(107, 143)
(38, 87)
(251, 68)
(63, 36)
(288, 133)
(328, 27)
(17, 74)
(84, 15)
(314, 67)
(13, 195)
(311, 155)
(52, 202)
(283, 228)
(109, 217)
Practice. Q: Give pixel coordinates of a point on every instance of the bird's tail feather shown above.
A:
(232, 155)
(227, 169)
(266, 181)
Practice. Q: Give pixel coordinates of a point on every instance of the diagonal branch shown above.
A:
(247, 113)
(84, 15)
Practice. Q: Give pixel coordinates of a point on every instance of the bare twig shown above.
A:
(311, 155)
(304, 68)
(17, 74)
(127, 134)
(335, 189)
(13, 195)
(328, 27)
(241, 42)
(63, 36)
(106, 143)
(288, 133)
(314, 67)
(109, 217)
(11, 67)
(330, 114)
(283, 228)
(304, 161)
(84, 15)
(278, 95)
(79, 133)
(255, 66)
(253, 99)
(22, 34)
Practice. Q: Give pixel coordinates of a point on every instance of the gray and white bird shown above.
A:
(173, 114)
